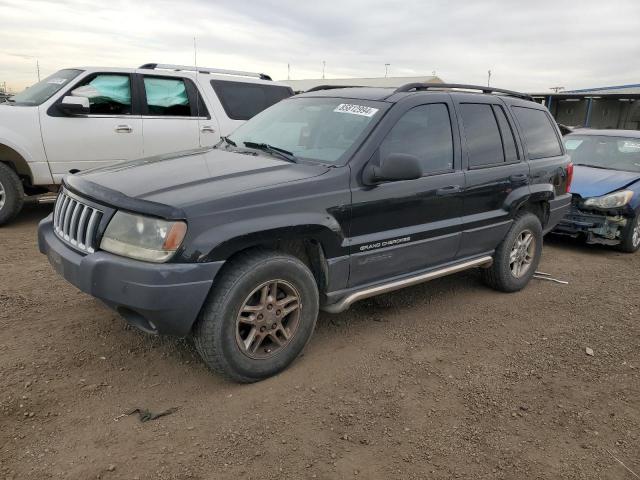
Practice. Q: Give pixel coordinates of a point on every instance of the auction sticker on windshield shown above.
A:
(356, 109)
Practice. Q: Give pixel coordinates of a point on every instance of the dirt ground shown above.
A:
(444, 380)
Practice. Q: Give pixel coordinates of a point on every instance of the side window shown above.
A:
(242, 100)
(167, 96)
(506, 132)
(484, 143)
(425, 133)
(538, 132)
(108, 94)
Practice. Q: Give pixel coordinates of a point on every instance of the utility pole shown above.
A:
(556, 89)
(324, 64)
(488, 78)
(386, 69)
(288, 71)
(38, 68)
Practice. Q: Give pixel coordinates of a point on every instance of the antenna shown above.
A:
(195, 53)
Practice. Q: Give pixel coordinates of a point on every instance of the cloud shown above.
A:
(527, 45)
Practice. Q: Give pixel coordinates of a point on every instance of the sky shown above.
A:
(527, 45)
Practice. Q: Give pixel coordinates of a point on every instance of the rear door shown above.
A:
(494, 168)
(110, 133)
(405, 226)
(172, 110)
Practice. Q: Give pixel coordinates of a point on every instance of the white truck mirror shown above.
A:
(71, 105)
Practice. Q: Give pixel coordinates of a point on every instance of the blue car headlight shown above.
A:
(612, 200)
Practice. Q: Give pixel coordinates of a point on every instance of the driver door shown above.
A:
(399, 227)
(110, 133)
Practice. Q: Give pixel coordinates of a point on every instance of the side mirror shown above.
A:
(395, 167)
(74, 105)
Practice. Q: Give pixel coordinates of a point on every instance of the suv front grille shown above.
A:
(75, 222)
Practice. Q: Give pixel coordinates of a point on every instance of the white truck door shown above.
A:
(110, 133)
(170, 114)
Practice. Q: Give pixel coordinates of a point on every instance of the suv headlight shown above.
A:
(613, 200)
(143, 238)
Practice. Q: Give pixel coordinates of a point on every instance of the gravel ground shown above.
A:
(444, 380)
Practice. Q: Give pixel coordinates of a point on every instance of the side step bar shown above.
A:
(367, 292)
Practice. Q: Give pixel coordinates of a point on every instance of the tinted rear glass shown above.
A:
(484, 143)
(241, 100)
(539, 134)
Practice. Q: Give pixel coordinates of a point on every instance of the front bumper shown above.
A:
(157, 298)
(595, 227)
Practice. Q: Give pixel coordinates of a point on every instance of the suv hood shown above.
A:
(188, 178)
(595, 182)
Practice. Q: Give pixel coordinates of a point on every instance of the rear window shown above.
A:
(539, 134)
(242, 101)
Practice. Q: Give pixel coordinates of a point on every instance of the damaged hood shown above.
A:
(595, 182)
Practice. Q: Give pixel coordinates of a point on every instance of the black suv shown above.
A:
(321, 200)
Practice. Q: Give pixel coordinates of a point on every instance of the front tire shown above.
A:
(517, 257)
(11, 194)
(630, 238)
(259, 316)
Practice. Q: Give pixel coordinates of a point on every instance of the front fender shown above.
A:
(222, 241)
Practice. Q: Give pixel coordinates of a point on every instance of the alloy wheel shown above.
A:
(635, 238)
(268, 319)
(522, 253)
(3, 196)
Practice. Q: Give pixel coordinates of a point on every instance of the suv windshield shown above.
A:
(601, 151)
(321, 129)
(43, 90)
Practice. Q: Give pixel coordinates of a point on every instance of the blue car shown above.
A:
(605, 187)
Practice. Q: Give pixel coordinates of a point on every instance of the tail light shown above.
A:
(569, 176)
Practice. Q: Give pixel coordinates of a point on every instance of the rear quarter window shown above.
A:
(538, 132)
(242, 101)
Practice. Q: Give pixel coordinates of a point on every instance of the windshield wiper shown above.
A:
(593, 166)
(229, 141)
(265, 147)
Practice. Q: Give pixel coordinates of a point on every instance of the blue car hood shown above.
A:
(594, 182)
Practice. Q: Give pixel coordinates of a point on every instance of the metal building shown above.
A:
(603, 107)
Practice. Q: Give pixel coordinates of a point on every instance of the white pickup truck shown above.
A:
(80, 118)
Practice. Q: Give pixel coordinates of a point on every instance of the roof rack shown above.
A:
(428, 86)
(330, 87)
(187, 68)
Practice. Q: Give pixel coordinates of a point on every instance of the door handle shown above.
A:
(450, 190)
(518, 177)
(123, 129)
(207, 129)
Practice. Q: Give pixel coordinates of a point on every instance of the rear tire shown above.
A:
(517, 257)
(258, 317)
(11, 194)
(630, 237)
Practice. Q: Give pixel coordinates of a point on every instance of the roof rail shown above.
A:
(330, 87)
(187, 68)
(427, 86)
